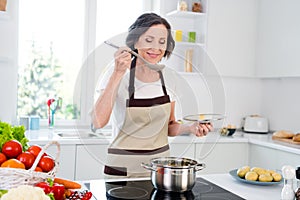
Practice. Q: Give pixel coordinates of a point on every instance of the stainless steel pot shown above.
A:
(173, 174)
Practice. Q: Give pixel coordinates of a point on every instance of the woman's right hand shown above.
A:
(122, 60)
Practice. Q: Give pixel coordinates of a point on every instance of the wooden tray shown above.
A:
(287, 140)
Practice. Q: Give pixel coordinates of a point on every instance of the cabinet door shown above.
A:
(221, 157)
(66, 160)
(271, 158)
(90, 160)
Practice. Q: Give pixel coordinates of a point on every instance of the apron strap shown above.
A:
(131, 88)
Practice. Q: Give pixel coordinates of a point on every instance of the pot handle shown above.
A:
(200, 166)
(149, 167)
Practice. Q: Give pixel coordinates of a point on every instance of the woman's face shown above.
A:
(152, 44)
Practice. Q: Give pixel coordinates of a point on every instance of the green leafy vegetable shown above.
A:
(8, 132)
(2, 192)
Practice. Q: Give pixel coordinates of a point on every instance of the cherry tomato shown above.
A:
(27, 158)
(38, 169)
(88, 195)
(35, 150)
(46, 163)
(12, 148)
(2, 158)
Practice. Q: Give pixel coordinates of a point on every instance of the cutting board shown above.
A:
(290, 140)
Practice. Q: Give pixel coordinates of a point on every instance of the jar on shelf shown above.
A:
(197, 6)
(182, 5)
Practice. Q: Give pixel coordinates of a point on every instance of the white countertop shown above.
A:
(244, 190)
(44, 136)
(247, 191)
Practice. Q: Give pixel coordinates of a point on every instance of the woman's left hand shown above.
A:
(200, 129)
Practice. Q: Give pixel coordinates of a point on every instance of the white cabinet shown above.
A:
(232, 36)
(90, 159)
(66, 160)
(270, 158)
(278, 39)
(221, 157)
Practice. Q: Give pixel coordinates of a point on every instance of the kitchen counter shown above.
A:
(44, 136)
(244, 190)
(213, 150)
(247, 191)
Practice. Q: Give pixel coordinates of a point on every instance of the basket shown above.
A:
(14, 177)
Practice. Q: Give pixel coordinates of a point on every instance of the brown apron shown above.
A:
(143, 136)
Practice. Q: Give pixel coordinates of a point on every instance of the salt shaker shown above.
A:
(287, 192)
(297, 192)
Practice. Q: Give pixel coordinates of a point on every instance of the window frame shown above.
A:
(88, 81)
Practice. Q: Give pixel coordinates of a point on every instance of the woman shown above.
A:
(140, 101)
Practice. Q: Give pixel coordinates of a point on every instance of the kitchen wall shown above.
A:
(232, 47)
(281, 103)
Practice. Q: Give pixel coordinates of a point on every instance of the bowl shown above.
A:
(230, 131)
(227, 131)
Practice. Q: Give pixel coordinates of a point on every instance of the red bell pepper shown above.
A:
(56, 189)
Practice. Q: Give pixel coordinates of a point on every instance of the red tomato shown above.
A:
(38, 169)
(46, 163)
(2, 158)
(27, 158)
(35, 150)
(12, 148)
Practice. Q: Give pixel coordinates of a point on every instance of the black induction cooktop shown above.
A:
(144, 190)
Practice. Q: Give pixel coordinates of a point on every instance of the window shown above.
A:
(55, 37)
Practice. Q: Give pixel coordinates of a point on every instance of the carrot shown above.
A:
(67, 183)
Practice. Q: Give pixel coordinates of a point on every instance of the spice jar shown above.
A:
(197, 6)
(297, 192)
(182, 5)
(287, 192)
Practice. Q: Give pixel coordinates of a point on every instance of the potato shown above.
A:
(251, 176)
(276, 177)
(241, 172)
(271, 171)
(259, 170)
(265, 178)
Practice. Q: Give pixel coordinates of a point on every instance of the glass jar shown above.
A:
(182, 5)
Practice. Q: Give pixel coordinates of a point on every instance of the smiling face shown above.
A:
(152, 44)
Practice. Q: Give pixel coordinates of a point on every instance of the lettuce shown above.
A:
(8, 132)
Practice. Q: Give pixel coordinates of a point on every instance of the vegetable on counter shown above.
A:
(9, 132)
(67, 183)
(49, 187)
(25, 192)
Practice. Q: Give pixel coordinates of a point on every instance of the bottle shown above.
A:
(297, 192)
(287, 192)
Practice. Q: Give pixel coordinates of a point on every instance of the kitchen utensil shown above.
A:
(233, 173)
(204, 118)
(255, 124)
(173, 174)
(156, 67)
(53, 106)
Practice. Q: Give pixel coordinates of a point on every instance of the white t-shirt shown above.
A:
(142, 90)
